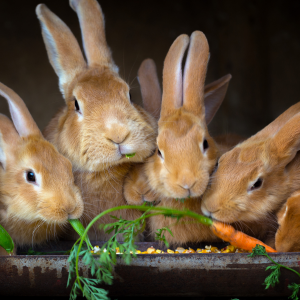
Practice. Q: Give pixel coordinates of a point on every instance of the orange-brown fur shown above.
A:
(108, 125)
(185, 168)
(287, 238)
(33, 213)
(271, 155)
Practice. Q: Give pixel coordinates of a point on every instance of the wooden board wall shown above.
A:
(258, 42)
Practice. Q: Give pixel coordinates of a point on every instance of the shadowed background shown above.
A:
(258, 43)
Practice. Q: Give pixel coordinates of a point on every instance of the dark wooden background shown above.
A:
(257, 41)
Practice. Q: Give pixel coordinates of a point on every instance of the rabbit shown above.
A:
(186, 154)
(287, 235)
(37, 190)
(252, 181)
(99, 125)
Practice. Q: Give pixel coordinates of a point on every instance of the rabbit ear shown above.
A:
(150, 89)
(172, 76)
(20, 114)
(62, 47)
(8, 139)
(91, 21)
(214, 94)
(287, 140)
(194, 73)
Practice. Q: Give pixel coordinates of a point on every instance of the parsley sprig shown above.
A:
(102, 266)
(273, 278)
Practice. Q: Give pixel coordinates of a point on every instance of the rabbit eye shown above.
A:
(159, 154)
(77, 105)
(30, 176)
(257, 184)
(130, 96)
(205, 145)
(216, 166)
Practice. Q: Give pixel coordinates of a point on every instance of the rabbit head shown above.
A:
(99, 125)
(253, 179)
(186, 154)
(36, 182)
(287, 235)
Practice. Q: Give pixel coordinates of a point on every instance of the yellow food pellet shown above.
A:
(225, 251)
(158, 251)
(151, 250)
(138, 252)
(180, 249)
(231, 248)
(177, 252)
(206, 251)
(170, 251)
(191, 250)
(215, 250)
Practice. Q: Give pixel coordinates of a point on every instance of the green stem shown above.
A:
(274, 262)
(204, 220)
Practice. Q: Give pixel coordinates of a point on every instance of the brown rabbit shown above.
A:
(287, 238)
(257, 176)
(99, 125)
(37, 189)
(186, 153)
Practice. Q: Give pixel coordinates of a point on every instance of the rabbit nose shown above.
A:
(205, 211)
(119, 139)
(74, 213)
(187, 186)
(118, 134)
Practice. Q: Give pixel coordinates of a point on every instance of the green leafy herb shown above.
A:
(6, 241)
(273, 278)
(295, 290)
(101, 265)
(130, 155)
(160, 236)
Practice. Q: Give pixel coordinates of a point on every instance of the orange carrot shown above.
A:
(236, 238)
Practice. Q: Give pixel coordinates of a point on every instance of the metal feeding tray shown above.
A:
(151, 275)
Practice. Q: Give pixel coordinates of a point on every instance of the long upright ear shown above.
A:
(286, 142)
(62, 47)
(195, 73)
(91, 21)
(214, 94)
(150, 89)
(172, 76)
(279, 122)
(8, 140)
(20, 114)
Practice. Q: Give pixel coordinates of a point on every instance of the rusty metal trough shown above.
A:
(152, 275)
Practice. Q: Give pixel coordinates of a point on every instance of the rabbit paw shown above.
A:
(136, 189)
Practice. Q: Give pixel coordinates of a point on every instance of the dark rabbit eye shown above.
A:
(216, 165)
(205, 145)
(159, 153)
(77, 105)
(257, 184)
(130, 96)
(30, 176)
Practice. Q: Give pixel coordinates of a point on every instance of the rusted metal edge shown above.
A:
(153, 275)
